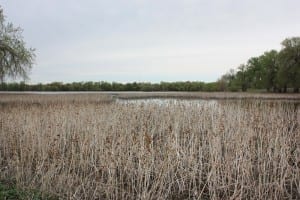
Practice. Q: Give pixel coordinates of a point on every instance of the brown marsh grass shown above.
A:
(209, 95)
(89, 147)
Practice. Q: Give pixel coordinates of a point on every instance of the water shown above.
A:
(165, 102)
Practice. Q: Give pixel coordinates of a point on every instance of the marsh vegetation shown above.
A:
(92, 147)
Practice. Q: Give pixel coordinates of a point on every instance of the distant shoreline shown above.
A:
(170, 95)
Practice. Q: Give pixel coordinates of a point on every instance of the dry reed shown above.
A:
(93, 149)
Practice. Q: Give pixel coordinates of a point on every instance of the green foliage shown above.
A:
(106, 86)
(15, 59)
(269, 68)
(243, 77)
(273, 70)
(289, 64)
(11, 192)
(210, 87)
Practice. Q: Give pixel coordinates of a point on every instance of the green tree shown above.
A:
(226, 82)
(16, 59)
(105, 86)
(268, 61)
(262, 70)
(242, 77)
(254, 72)
(289, 64)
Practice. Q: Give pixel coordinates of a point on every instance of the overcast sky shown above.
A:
(148, 40)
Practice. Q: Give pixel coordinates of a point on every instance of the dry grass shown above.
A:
(92, 149)
(209, 95)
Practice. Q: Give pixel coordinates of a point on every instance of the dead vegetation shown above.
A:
(209, 95)
(92, 149)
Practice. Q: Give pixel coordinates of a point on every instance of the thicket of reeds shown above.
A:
(93, 149)
(208, 95)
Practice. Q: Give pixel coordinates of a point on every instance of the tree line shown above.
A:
(275, 71)
(114, 86)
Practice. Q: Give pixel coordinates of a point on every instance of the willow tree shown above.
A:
(16, 60)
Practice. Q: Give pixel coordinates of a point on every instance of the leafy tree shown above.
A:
(269, 65)
(273, 70)
(146, 87)
(242, 77)
(211, 87)
(15, 59)
(254, 72)
(226, 82)
(262, 70)
(105, 86)
(289, 64)
(117, 86)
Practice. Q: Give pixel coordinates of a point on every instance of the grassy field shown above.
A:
(91, 147)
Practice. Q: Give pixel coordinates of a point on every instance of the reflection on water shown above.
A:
(160, 101)
(210, 102)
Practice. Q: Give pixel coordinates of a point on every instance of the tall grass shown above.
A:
(99, 150)
(209, 95)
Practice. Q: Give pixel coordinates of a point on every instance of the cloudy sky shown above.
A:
(148, 40)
